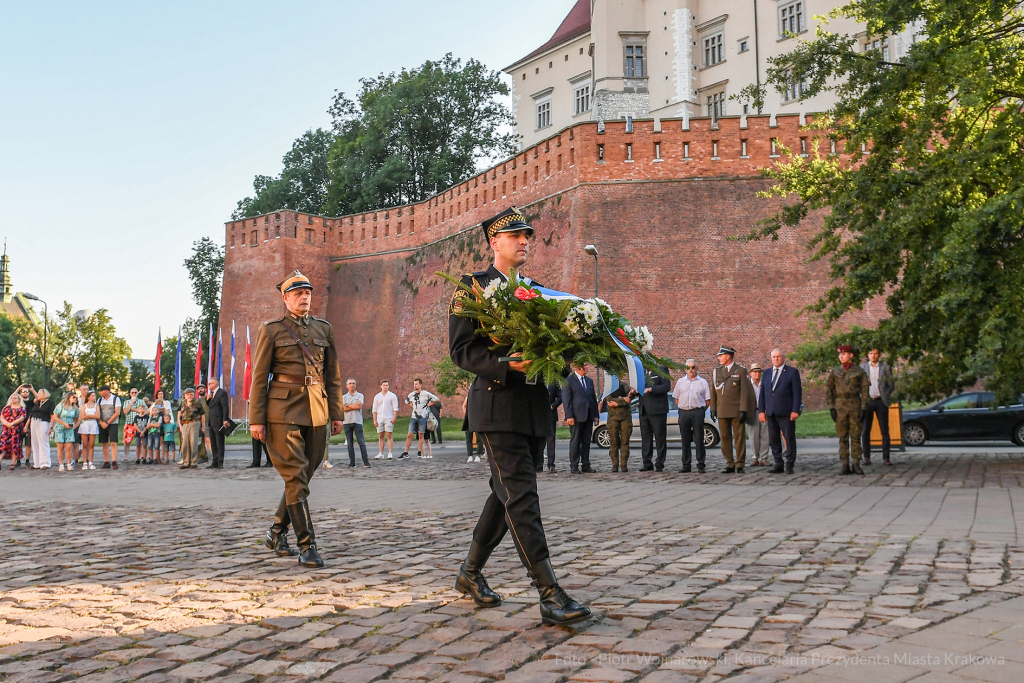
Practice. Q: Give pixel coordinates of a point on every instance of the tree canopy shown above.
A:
(406, 136)
(929, 221)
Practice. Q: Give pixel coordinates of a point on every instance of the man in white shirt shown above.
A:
(758, 430)
(693, 396)
(420, 400)
(881, 386)
(385, 409)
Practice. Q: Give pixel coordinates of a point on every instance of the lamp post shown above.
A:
(46, 326)
(592, 250)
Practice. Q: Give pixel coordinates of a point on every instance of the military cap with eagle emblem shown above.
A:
(726, 349)
(294, 281)
(509, 220)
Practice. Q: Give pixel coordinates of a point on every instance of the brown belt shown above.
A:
(306, 380)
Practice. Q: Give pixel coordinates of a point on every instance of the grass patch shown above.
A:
(815, 423)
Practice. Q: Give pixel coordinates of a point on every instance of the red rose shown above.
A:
(524, 294)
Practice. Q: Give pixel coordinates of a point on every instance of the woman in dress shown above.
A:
(12, 417)
(65, 421)
(89, 427)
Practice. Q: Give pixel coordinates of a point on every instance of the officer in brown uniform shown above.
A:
(731, 396)
(296, 391)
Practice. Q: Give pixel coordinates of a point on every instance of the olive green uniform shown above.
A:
(846, 390)
(296, 392)
(620, 426)
(201, 445)
(190, 421)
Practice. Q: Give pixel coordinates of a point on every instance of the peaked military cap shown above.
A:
(845, 348)
(294, 281)
(509, 220)
(726, 349)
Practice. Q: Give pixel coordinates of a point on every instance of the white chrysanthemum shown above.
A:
(491, 288)
(648, 342)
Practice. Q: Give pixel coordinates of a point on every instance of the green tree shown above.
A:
(139, 377)
(930, 222)
(303, 183)
(414, 133)
(451, 379)
(206, 271)
(9, 338)
(103, 353)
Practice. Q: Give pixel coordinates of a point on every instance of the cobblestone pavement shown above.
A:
(103, 594)
(935, 467)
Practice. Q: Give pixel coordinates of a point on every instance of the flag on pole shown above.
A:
(156, 364)
(199, 362)
(220, 356)
(177, 368)
(213, 352)
(247, 370)
(232, 390)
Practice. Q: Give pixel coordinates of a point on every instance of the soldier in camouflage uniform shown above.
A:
(847, 395)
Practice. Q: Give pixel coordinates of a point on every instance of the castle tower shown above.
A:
(5, 276)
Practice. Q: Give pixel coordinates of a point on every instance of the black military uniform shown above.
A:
(513, 417)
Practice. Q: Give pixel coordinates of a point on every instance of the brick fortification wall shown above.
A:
(660, 202)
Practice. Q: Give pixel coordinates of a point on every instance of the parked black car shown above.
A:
(970, 416)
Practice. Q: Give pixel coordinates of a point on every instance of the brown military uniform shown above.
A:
(190, 417)
(731, 394)
(296, 392)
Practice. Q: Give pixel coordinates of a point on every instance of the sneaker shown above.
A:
(106, 466)
(476, 459)
(60, 468)
(429, 457)
(92, 466)
(328, 465)
(403, 456)
(390, 456)
(113, 465)
(419, 454)
(379, 456)
(470, 459)
(366, 466)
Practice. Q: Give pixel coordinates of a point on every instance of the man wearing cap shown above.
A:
(846, 392)
(758, 430)
(513, 418)
(730, 402)
(296, 392)
(190, 421)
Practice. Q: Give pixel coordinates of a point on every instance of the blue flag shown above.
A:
(232, 359)
(177, 369)
(220, 356)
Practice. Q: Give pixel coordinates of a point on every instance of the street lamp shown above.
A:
(46, 325)
(592, 250)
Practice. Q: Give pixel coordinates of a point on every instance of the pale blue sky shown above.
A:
(128, 130)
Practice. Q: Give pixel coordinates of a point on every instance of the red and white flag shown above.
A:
(159, 352)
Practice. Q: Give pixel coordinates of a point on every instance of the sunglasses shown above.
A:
(691, 367)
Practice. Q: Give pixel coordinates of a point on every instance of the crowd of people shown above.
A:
(742, 404)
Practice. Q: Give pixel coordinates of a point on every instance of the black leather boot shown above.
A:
(846, 468)
(304, 536)
(471, 581)
(277, 535)
(856, 469)
(556, 607)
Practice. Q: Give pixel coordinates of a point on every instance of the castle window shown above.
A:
(775, 147)
(657, 150)
(743, 148)
(232, 238)
(255, 237)
(581, 99)
(398, 228)
(803, 147)
(744, 45)
(879, 44)
(791, 18)
(411, 230)
(325, 238)
(600, 152)
(716, 105)
(686, 150)
(362, 234)
(714, 51)
(634, 61)
(503, 192)
(629, 151)
(543, 113)
(352, 236)
(832, 146)
(309, 219)
(795, 86)
(714, 149)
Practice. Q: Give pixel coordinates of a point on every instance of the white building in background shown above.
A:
(613, 59)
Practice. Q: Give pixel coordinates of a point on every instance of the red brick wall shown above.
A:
(662, 225)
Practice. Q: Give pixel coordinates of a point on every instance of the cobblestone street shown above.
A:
(174, 585)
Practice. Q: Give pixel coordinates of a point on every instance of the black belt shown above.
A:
(306, 380)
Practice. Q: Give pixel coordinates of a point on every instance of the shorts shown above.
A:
(385, 426)
(169, 445)
(417, 425)
(89, 427)
(130, 433)
(153, 441)
(108, 435)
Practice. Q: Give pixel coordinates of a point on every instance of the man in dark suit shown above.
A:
(779, 406)
(554, 400)
(220, 409)
(513, 417)
(880, 389)
(579, 401)
(654, 418)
